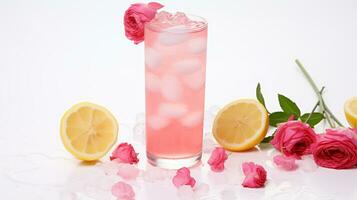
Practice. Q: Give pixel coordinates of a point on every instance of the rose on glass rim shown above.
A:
(294, 138)
(135, 18)
(336, 149)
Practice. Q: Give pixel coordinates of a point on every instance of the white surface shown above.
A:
(56, 53)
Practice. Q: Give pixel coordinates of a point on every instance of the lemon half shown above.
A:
(351, 111)
(241, 125)
(88, 131)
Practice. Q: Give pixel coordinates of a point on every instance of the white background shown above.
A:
(56, 53)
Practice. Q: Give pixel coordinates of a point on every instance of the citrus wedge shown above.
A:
(351, 111)
(241, 125)
(88, 131)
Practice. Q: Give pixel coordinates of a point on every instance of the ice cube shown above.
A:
(140, 118)
(214, 109)
(152, 58)
(187, 66)
(307, 164)
(139, 133)
(208, 121)
(172, 110)
(208, 145)
(201, 190)
(195, 80)
(153, 174)
(185, 192)
(179, 18)
(128, 171)
(162, 17)
(158, 122)
(109, 168)
(197, 45)
(152, 82)
(228, 195)
(171, 88)
(192, 119)
(172, 36)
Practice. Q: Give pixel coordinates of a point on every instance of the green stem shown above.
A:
(316, 90)
(315, 107)
(332, 115)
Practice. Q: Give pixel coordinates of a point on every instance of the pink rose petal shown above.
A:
(183, 177)
(155, 5)
(255, 175)
(217, 159)
(128, 172)
(286, 163)
(125, 153)
(123, 191)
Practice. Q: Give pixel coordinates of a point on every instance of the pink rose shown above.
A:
(183, 177)
(217, 159)
(336, 149)
(286, 163)
(135, 18)
(294, 138)
(255, 175)
(123, 191)
(125, 153)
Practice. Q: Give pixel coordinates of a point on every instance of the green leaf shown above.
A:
(289, 106)
(260, 95)
(278, 117)
(267, 139)
(314, 119)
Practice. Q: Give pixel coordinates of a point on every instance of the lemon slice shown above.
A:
(241, 125)
(351, 111)
(88, 131)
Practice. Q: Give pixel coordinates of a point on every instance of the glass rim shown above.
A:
(189, 30)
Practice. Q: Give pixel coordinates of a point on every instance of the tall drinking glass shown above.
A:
(175, 68)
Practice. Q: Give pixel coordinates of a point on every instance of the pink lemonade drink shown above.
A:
(175, 68)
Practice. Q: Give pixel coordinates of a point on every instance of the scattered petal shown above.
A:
(155, 5)
(123, 191)
(125, 153)
(255, 175)
(183, 177)
(217, 159)
(285, 163)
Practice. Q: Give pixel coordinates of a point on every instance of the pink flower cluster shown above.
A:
(336, 149)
